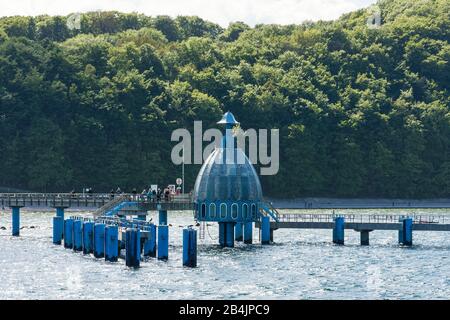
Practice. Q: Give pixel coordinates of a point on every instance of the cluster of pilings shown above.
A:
(104, 237)
(229, 232)
(404, 234)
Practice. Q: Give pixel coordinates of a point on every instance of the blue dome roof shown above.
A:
(218, 180)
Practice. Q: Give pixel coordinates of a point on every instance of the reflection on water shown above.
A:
(303, 264)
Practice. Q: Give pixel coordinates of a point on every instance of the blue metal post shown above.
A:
(338, 230)
(238, 231)
(15, 221)
(163, 242)
(405, 234)
(162, 217)
(77, 235)
(99, 240)
(265, 230)
(88, 237)
(229, 234)
(60, 213)
(132, 247)
(58, 223)
(222, 234)
(190, 247)
(150, 244)
(68, 233)
(248, 232)
(111, 243)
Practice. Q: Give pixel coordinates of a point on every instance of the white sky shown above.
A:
(218, 11)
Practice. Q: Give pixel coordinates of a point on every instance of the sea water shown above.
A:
(301, 264)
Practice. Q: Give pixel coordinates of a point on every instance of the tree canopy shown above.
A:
(362, 112)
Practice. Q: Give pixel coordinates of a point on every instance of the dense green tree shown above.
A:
(361, 111)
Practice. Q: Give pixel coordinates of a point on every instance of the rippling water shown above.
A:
(303, 264)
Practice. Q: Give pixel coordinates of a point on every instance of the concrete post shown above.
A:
(15, 221)
(364, 237)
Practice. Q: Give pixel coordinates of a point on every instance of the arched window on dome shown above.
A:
(223, 210)
(203, 213)
(245, 211)
(212, 210)
(253, 211)
(234, 211)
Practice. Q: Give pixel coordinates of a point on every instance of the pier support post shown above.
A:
(88, 237)
(248, 232)
(77, 235)
(111, 243)
(60, 212)
(133, 250)
(99, 240)
(271, 235)
(239, 231)
(338, 230)
(190, 247)
(15, 221)
(226, 234)
(365, 237)
(265, 230)
(68, 233)
(150, 244)
(162, 215)
(163, 242)
(58, 223)
(405, 233)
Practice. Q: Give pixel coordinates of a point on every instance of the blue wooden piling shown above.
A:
(15, 221)
(99, 240)
(111, 243)
(238, 231)
(338, 230)
(68, 233)
(88, 237)
(265, 230)
(405, 233)
(163, 242)
(190, 247)
(150, 244)
(132, 247)
(162, 215)
(248, 232)
(77, 235)
(58, 223)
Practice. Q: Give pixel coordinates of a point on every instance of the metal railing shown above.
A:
(364, 218)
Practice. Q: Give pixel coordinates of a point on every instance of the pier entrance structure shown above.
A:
(228, 190)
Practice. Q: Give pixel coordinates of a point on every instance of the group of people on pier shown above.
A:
(148, 194)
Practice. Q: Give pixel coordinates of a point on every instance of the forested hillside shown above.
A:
(361, 112)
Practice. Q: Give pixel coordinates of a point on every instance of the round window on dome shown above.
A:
(234, 211)
(212, 210)
(223, 210)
